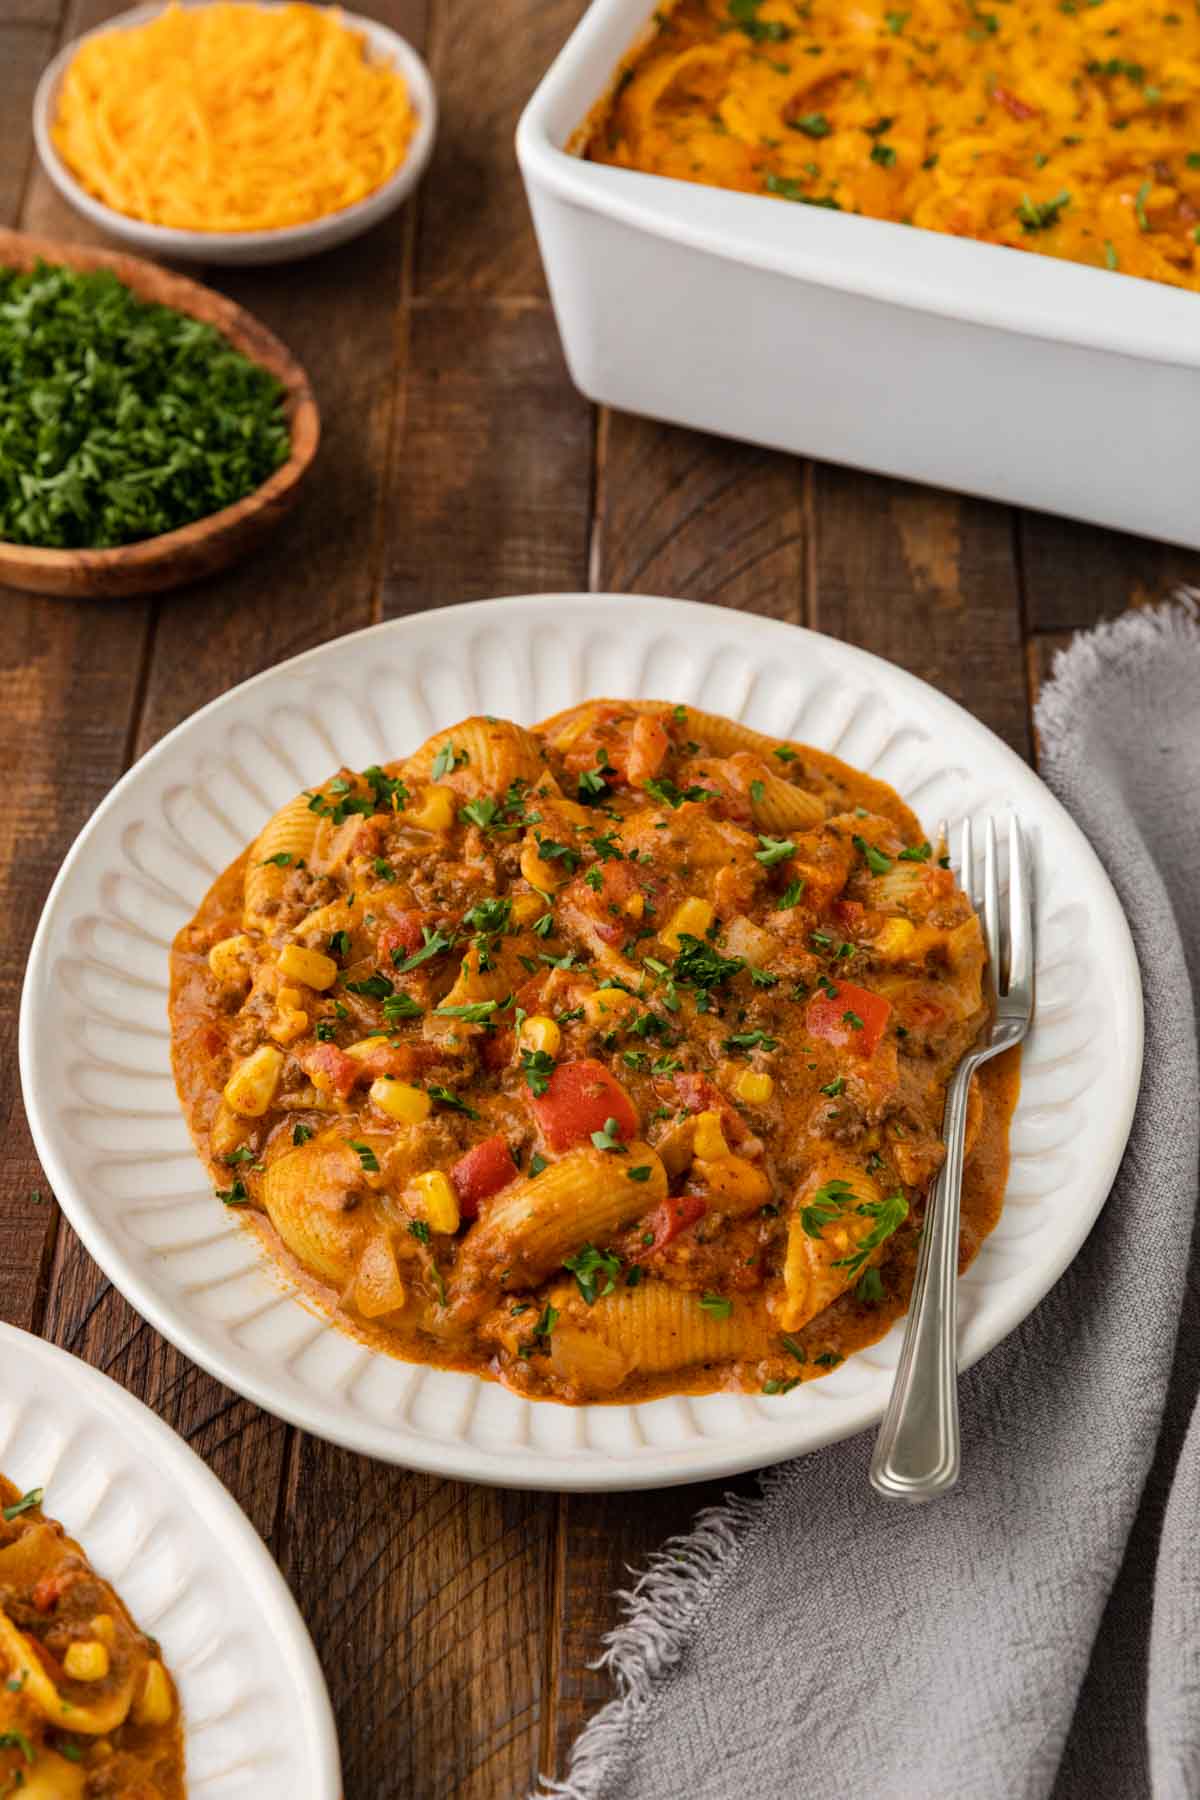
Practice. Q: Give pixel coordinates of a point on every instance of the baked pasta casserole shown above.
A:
(607, 1057)
(87, 1708)
(1070, 127)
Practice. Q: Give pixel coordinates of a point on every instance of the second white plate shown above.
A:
(95, 1051)
(187, 1563)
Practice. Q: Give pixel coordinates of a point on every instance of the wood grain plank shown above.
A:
(491, 485)
(475, 237)
(27, 38)
(698, 518)
(1076, 575)
(927, 579)
(425, 1599)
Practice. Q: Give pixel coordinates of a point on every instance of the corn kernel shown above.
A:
(572, 730)
(227, 960)
(526, 908)
(251, 1088)
(312, 967)
(88, 1661)
(287, 1026)
(709, 1141)
(693, 916)
(539, 1032)
(361, 1048)
(155, 1703)
(436, 811)
(539, 873)
(740, 1184)
(104, 1627)
(754, 1086)
(437, 1200)
(895, 940)
(606, 1007)
(635, 906)
(400, 1101)
(227, 1131)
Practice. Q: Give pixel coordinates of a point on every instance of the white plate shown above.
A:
(187, 1563)
(95, 1050)
(229, 247)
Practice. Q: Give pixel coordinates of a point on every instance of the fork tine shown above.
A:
(1020, 920)
(991, 907)
(966, 863)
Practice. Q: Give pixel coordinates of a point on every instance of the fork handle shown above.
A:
(917, 1451)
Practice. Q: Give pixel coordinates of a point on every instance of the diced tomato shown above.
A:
(331, 1068)
(1013, 106)
(850, 1017)
(849, 912)
(483, 1171)
(698, 1094)
(49, 1590)
(581, 1098)
(404, 934)
(648, 746)
(606, 904)
(673, 1216)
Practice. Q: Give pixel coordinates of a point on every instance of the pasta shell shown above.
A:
(291, 833)
(314, 1199)
(656, 1326)
(480, 756)
(812, 1278)
(582, 1198)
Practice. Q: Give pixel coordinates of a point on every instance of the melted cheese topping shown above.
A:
(1069, 127)
(232, 118)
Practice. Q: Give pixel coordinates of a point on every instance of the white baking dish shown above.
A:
(963, 364)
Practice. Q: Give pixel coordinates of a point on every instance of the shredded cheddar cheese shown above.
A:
(1069, 127)
(232, 117)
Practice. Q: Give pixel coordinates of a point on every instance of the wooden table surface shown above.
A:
(455, 1623)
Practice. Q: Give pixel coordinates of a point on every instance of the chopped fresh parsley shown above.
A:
(717, 1305)
(750, 1040)
(235, 1195)
(772, 850)
(481, 812)
(883, 154)
(419, 1229)
(444, 1096)
(366, 1156)
(813, 125)
(609, 1138)
(373, 987)
(852, 1020)
(435, 943)
(537, 1163)
(793, 1347)
(777, 1386)
(25, 1504)
(400, 1006)
(701, 965)
(552, 851)
(475, 1012)
(784, 754)
(1045, 214)
(870, 1287)
(917, 853)
(888, 1215)
(537, 1066)
(643, 1172)
(446, 760)
(595, 1271)
(876, 861)
(301, 1134)
(835, 1087)
(790, 896)
(826, 1205)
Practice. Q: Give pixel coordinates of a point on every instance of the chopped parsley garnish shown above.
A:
(301, 1134)
(772, 850)
(609, 1138)
(888, 1215)
(793, 1348)
(25, 1504)
(592, 785)
(789, 189)
(123, 418)
(537, 1066)
(281, 860)
(784, 754)
(489, 916)
(643, 1172)
(235, 1195)
(1042, 216)
(339, 943)
(813, 125)
(537, 1163)
(883, 154)
(790, 896)
(763, 978)
(366, 1156)
(419, 1229)
(400, 1006)
(717, 1305)
(386, 790)
(744, 15)
(673, 796)
(325, 1031)
(475, 1012)
(775, 1385)
(446, 760)
(876, 861)
(918, 853)
(852, 1020)
(750, 1040)
(828, 1359)
(244, 1155)
(595, 1270)
(826, 1205)
(835, 1087)
(870, 1287)
(373, 987)
(481, 812)
(544, 926)
(435, 943)
(552, 851)
(701, 965)
(445, 1096)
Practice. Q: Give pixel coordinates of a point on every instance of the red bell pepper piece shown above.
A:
(403, 934)
(580, 1099)
(331, 1068)
(674, 1215)
(850, 1017)
(483, 1171)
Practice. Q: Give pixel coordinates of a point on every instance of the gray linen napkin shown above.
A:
(1037, 1632)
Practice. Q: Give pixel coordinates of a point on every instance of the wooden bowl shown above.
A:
(174, 557)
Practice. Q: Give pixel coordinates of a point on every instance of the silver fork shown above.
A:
(917, 1451)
